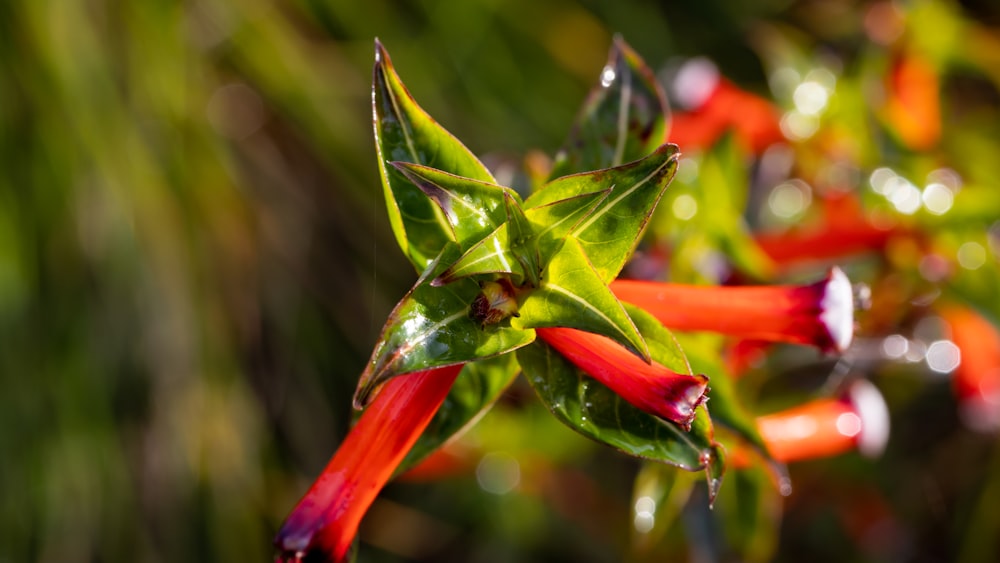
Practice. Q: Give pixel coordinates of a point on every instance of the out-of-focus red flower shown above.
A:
(913, 104)
(650, 387)
(716, 105)
(976, 380)
(820, 314)
(842, 231)
(826, 427)
(327, 518)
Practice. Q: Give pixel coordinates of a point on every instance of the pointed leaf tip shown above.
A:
(623, 118)
(405, 132)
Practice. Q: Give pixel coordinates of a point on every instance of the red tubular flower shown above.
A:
(913, 107)
(327, 517)
(844, 231)
(650, 387)
(826, 427)
(821, 314)
(716, 106)
(977, 377)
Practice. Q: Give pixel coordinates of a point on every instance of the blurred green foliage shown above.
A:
(195, 263)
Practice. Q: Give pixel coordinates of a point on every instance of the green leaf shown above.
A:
(474, 392)
(623, 119)
(749, 514)
(431, 327)
(592, 409)
(611, 232)
(552, 222)
(549, 223)
(723, 181)
(404, 132)
(668, 491)
(572, 295)
(473, 208)
(521, 240)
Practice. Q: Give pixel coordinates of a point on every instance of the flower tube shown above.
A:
(716, 105)
(827, 427)
(843, 229)
(650, 387)
(821, 314)
(327, 518)
(976, 379)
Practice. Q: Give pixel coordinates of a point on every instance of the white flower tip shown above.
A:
(837, 306)
(695, 82)
(870, 407)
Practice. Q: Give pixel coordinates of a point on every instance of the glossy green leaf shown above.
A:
(431, 327)
(549, 223)
(611, 232)
(572, 295)
(404, 132)
(476, 389)
(623, 119)
(553, 221)
(473, 208)
(590, 408)
(521, 240)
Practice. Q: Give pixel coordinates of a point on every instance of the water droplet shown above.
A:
(785, 486)
(971, 255)
(608, 76)
(943, 356)
(810, 97)
(790, 198)
(498, 473)
(798, 126)
(684, 207)
(937, 198)
(880, 178)
(894, 346)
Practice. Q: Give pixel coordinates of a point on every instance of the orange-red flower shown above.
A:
(976, 380)
(820, 314)
(327, 518)
(651, 387)
(913, 105)
(826, 427)
(842, 231)
(716, 105)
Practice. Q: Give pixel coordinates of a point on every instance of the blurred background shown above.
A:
(195, 263)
